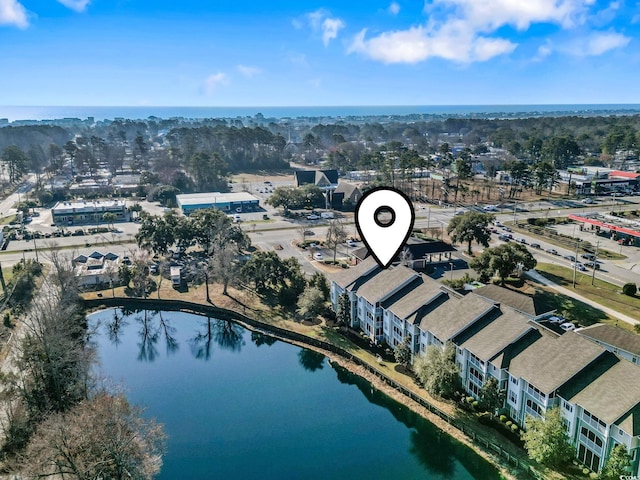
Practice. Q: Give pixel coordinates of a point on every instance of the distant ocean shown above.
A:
(13, 113)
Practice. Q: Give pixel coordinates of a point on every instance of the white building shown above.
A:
(97, 268)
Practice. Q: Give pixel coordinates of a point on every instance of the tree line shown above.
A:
(60, 421)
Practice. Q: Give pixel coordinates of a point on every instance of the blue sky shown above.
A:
(288, 53)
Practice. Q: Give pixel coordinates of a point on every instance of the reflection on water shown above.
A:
(225, 399)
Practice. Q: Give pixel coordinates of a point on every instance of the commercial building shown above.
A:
(80, 212)
(235, 202)
(497, 335)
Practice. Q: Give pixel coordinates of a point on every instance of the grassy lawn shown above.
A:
(604, 293)
(7, 220)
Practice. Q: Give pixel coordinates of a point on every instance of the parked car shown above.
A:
(567, 326)
(313, 216)
(318, 256)
(536, 245)
(351, 243)
(555, 319)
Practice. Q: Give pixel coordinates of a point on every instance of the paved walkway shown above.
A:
(571, 293)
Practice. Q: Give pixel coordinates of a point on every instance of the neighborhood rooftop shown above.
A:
(613, 395)
(492, 337)
(454, 315)
(379, 286)
(408, 300)
(550, 362)
(349, 276)
(519, 301)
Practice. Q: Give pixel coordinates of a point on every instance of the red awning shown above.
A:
(615, 228)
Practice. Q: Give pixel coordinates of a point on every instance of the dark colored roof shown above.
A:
(518, 301)
(349, 276)
(417, 247)
(454, 315)
(550, 362)
(382, 285)
(409, 299)
(317, 177)
(615, 336)
(613, 393)
(488, 338)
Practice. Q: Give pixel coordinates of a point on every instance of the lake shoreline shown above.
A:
(341, 359)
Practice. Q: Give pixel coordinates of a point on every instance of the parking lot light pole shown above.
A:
(451, 272)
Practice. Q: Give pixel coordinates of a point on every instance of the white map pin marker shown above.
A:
(384, 219)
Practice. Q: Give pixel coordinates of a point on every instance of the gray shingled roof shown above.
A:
(504, 296)
(615, 336)
(494, 337)
(413, 296)
(613, 394)
(454, 315)
(379, 286)
(349, 276)
(550, 362)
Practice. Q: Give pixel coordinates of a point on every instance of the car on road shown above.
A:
(588, 256)
(318, 256)
(587, 200)
(594, 265)
(490, 208)
(504, 238)
(567, 326)
(579, 266)
(313, 216)
(507, 229)
(552, 251)
(571, 258)
(351, 243)
(536, 245)
(522, 240)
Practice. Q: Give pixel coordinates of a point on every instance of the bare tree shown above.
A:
(223, 265)
(101, 438)
(336, 234)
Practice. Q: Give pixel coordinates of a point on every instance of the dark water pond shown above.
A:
(240, 405)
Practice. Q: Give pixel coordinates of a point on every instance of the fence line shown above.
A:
(268, 329)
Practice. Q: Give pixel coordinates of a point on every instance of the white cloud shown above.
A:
(248, 71)
(543, 52)
(600, 43)
(214, 81)
(394, 8)
(76, 5)
(13, 13)
(322, 22)
(330, 29)
(451, 42)
(597, 43)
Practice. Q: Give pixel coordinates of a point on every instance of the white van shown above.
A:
(327, 215)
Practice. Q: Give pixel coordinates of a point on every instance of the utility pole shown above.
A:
(575, 264)
(595, 262)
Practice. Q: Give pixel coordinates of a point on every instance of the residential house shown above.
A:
(96, 268)
(417, 254)
(345, 195)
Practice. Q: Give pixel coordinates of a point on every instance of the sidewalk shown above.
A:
(570, 293)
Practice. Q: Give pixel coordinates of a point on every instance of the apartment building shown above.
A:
(496, 334)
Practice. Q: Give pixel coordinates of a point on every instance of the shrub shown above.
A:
(629, 289)
(514, 428)
(593, 476)
(503, 418)
(509, 423)
(585, 471)
(469, 400)
(475, 404)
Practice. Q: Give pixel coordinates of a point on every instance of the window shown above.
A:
(534, 407)
(513, 380)
(567, 406)
(513, 398)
